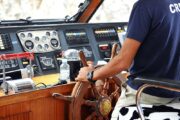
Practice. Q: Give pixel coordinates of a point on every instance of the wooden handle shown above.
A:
(83, 58)
(113, 51)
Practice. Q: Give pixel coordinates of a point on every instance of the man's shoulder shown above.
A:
(148, 2)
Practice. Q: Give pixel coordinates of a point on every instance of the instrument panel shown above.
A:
(39, 41)
(48, 42)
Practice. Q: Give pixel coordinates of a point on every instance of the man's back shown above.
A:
(155, 23)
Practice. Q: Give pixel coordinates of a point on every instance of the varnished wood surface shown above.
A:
(36, 105)
(87, 14)
(47, 79)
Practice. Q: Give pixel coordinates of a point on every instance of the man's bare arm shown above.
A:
(119, 63)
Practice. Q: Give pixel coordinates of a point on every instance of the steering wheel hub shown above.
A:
(104, 106)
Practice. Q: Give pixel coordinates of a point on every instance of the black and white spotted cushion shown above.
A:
(151, 112)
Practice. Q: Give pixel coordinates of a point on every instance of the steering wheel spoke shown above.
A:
(106, 87)
(92, 116)
(90, 103)
(95, 91)
(113, 94)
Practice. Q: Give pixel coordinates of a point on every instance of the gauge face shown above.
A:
(43, 38)
(46, 46)
(30, 35)
(54, 42)
(48, 34)
(29, 44)
(22, 35)
(54, 33)
(39, 46)
(37, 38)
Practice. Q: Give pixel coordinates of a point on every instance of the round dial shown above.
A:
(29, 44)
(48, 34)
(30, 35)
(37, 38)
(22, 35)
(39, 47)
(46, 46)
(54, 33)
(43, 38)
(54, 42)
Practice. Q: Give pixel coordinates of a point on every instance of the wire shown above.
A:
(45, 86)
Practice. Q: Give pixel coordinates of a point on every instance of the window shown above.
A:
(113, 11)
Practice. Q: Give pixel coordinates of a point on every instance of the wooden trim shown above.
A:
(37, 94)
(87, 14)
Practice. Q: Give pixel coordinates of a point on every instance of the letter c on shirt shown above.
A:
(172, 8)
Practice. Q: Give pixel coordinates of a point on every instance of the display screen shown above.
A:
(105, 31)
(76, 36)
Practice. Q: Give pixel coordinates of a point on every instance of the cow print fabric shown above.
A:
(151, 112)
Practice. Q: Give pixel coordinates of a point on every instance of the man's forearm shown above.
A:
(112, 68)
(120, 62)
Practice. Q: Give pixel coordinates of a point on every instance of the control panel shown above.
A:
(105, 50)
(106, 34)
(5, 42)
(9, 65)
(39, 41)
(48, 42)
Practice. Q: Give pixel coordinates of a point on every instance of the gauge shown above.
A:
(22, 35)
(39, 47)
(43, 38)
(30, 35)
(54, 42)
(29, 44)
(48, 34)
(54, 33)
(37, 38)
(46, 46)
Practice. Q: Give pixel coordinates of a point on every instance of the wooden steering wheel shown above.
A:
(102, 102)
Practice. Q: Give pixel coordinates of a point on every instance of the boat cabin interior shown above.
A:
(32, 52)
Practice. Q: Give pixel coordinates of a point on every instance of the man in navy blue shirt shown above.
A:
(152, 47)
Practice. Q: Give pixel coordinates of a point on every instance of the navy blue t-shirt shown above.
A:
(156, 24)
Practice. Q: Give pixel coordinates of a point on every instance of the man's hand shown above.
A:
(82, 76)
